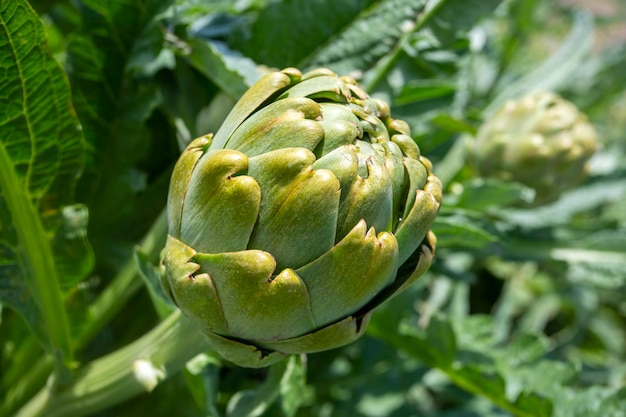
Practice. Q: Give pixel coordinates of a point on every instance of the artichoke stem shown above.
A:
(113, 378)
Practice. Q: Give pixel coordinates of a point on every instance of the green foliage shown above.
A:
(521, 314)
(42, 245)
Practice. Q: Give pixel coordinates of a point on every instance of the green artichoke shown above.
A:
(541, 141)
(292, 223)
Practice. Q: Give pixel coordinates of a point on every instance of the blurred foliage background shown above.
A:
(523, 312)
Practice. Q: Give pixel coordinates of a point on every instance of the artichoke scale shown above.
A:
(299, 205)
(329, 87)
(346, 277)
(221, 204)
(179, 182)
(284, 123)
(255, 304)
(269, 85)
(190, 289)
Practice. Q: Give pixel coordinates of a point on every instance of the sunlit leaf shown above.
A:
(228, 69)
(455, 17)
(578, 200)
(594, 401)
(420, 90)
(368, 38)
(300, 27)
(42, 241)
(554, 72)
(469, 373)
(345, 36)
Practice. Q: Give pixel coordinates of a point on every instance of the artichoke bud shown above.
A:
(541, 141)
(291, 223)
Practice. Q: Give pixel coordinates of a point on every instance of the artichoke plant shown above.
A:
(541, 141)
(308, 208)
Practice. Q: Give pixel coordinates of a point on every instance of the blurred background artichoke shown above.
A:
(541, 140)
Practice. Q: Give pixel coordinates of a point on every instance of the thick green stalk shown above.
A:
(34, 378)
(36, 261)
(114, 297)
(122, 374)
(125, 284)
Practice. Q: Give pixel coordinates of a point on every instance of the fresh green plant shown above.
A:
(541, 141)
(521, 312)
(289, 225)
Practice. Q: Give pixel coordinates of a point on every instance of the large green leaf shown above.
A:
(420, 74)
(345, 36)
(369, 38)
(287, 33)
(112, 60)
(471, 366)
(598, 259)
(42, 235)
(230, 71)
(454, 18)
(556, 71)
(598, 80)
(575, 202)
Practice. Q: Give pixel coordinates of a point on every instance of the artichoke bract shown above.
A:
(291, 223)
(541, 141)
